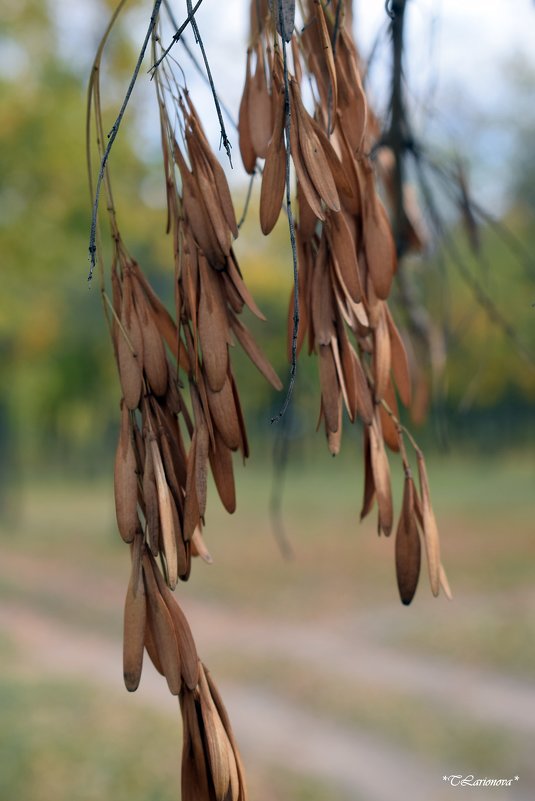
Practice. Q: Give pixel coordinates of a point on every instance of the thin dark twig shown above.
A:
(224, 138)
(196, 64)
(291, 225)
(176, 36)
(247, 199)
(113, 134)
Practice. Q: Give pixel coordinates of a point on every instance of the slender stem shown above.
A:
(113, 134)
(177, 35)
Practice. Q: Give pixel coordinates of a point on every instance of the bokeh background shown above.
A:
(335, 690)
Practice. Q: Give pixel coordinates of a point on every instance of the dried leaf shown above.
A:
(247, 150)
(135, 619)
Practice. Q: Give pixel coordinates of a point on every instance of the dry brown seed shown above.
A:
(259, 104)
(150, 643)
(135, 619)
(226, 723)
(199, 547)
(329, 58)
(379, 245)
(369, 485)
(431, 539)
(253, 351)
(344, 251)
(247, 150)
(314, 158)
(206, 183)
(224, 415)
(130, 348)
(400, 362)
(213, 327)
(167, 522)
(154, 358)
(388, 426)
(126, 483)
(321, 298)
(191, 504)
(274, 175)
(150, 496)
(217, 742)
(189, 660)
(408, 549)
(162, 630)
(444, 583)
(195, 779)
(364, 397)
(330, 389)
(381, 477)
(223, 473)
(340, 175)
(236, 278)
(303, 179)
(221, 183)
(381, 356)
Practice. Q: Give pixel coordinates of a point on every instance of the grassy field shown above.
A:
(63, 738)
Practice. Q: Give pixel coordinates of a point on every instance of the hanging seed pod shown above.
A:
(408, 548)
(259, 106)
(125, 482)
(162, 629)
(247, 150)
(274, 175)
(130, 348)
(135, 619)
(431, 539)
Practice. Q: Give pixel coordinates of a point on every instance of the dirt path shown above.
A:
(270, 730)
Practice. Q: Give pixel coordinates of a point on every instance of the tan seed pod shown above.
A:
(150, 496)
(431, 539)
(388, 426)
(191, 503)
(150, 643)
(135, 619)
(222, 712)
(314, 158)
(236, 278)
(224, 415)
(329, 57)
(274, 175)
(154, 358)
(341, 178)
(206, 183)
(195, 779)
(126, 483)
(408, 549)
(379, 246)
(199, 547)
(254, 353)
(381, 357)
(218, 745)
(400, 362)
(364, 397)
(213, 327)
(369, 484)
(381, 478)
(330, 389)
(223, 473)
(130, 349)
(444, 583)
(189, 660)
(163, 630)
(167, 521)
(308, 190)
(344, 252)
(259, 106)
(247, 150)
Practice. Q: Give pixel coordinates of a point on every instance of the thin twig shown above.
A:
(113, 134)
(291, 225)
(196, 64)
(281, 448)
(176, 37)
